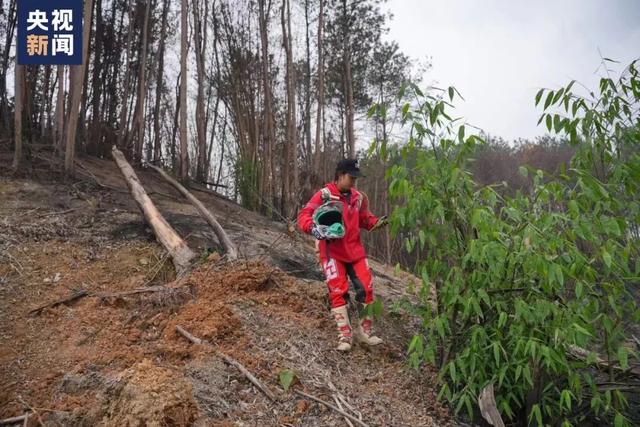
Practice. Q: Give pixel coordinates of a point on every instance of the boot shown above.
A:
(362, 332)
(341, 316)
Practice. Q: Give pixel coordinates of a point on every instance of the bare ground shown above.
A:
(117, 360)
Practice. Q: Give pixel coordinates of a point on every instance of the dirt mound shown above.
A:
(233, 278)
(148, 395)
(213, 321)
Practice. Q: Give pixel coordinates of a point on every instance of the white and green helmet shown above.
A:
(328, 218)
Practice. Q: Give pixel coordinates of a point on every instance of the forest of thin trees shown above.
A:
(259, 96)
(273, 94)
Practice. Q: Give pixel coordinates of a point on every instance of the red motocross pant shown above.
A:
(338, 273)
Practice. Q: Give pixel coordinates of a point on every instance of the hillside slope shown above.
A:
(106, 359)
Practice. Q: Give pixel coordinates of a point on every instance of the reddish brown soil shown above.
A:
(119, 360)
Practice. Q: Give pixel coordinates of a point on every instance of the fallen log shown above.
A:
(226, 243)
(180, 253)
(230, 361)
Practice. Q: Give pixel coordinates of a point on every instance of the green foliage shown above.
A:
(374, 309)
(525, 281)
(286, 378)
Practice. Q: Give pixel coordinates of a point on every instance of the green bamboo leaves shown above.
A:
(523, 281)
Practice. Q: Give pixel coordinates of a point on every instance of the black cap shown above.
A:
(349, 166)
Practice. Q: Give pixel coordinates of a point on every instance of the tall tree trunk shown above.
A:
(127, 83)
(325, 144)
(290, 173)
(351, 143)
(176, 120)
(218, 82)
(343, 125)
(184, 155)
(95, 135)
(108, 39)
(213, 131)
(30, 101)
(149, 123)
(111, 71)
(294, 128)
(11, 26)
(82, 127)
(129, 122)
(45, 108)
(348, 83)
(319, 114)
(286, 178)
(18, 84)
(142, 86)
(50, 110)
(59, 128)
(157, 145)
(75, 87)
(201, 123)
(269, 134)
(307, 94)
(222, 143)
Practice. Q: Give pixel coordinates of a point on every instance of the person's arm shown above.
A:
(367, 219)
(305, 217)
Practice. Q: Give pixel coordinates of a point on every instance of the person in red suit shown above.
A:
(345, 258)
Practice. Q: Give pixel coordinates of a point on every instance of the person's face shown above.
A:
(346, 182)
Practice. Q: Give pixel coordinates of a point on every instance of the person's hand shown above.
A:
(318, 233)
(382, 221)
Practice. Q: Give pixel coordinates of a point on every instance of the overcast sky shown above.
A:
(498, 53)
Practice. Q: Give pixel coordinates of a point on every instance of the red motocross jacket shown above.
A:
(355, 215)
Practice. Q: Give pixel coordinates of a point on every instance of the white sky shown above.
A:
(498, 53)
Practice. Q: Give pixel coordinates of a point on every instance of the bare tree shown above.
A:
(319, 114)
(4, 68)
(289, 170)
(75, 89)
(18, 84)
(269, 134)
(45, 105)
(348, 83)
(200, 42)
(176, 124)
(142, 86)
(127, 80)
(59, 125)
(184, 154)
(307, 94)
(95, 134)
(157, 145)
(218, 84)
